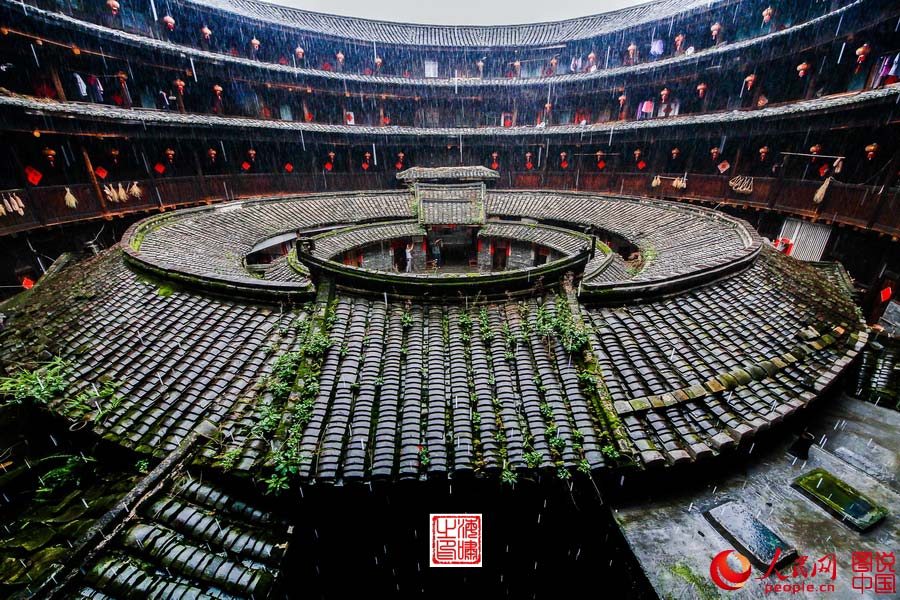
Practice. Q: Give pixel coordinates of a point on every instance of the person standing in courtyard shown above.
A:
(409, 258)
(436, 252)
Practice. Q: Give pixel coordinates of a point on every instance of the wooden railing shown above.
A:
(860, 206)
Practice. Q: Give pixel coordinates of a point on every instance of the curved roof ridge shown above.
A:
(524, 34)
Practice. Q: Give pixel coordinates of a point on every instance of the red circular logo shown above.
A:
(724, 576)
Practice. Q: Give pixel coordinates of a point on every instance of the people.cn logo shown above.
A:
(724, 576)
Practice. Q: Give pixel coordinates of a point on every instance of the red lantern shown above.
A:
(494, 164)
(701, 89)
(169, 22)
(288, 167)
(563, 163)
(528, 164)
(113, 6)
(886, 293)
(861, 53)
(50, 155)
(622, 100)
(365, 163)
(679, 43)
(207, 32)
(803, 69)
(871, 150)
(715, 29)
(329, 164)
(255, 43)
(27, 283)
(767, 14)
(299, 53)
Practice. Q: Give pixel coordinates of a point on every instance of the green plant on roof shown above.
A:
(142, 466)
(40, 385)
(533, 459)
(424, 458)
(563, 473)
(649, 254)
(557, 444)
(485, 326)
(67, 475)
(584, 466)
(609, 451)
(509, 477)
(316, 344)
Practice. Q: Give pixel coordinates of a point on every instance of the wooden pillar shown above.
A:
(93, 177)
(889, 180)
(57, 84)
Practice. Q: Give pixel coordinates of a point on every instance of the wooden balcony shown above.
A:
(859, 206)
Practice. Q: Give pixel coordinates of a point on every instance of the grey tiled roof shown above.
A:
(281, 270)
(684, 238)
(475, 172)
(689, 376)
(678, 377)
(211, 243)
(461, 204)
(715, 53)
(190, 522)
(460, 35)
(155, 118)
(329, 245)
(560, 240)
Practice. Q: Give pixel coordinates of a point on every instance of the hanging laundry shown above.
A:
(82, 87)
(645, 109)
(95, 89)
